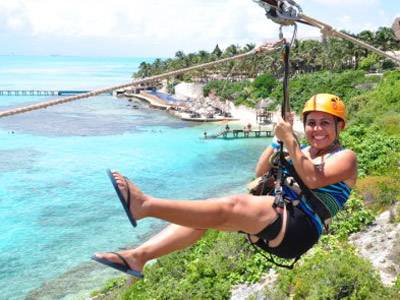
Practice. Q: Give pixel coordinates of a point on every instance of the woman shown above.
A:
(289, 231)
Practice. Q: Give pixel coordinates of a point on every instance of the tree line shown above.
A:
(307, 56)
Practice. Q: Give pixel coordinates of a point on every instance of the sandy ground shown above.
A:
(248, 115)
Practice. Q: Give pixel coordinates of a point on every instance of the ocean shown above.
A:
(57, 206)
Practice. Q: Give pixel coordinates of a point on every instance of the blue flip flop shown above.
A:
(123, 267)
(125, 204)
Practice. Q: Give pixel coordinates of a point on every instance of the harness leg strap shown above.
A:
(271, 231)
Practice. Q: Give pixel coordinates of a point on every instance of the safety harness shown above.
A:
(283, 174)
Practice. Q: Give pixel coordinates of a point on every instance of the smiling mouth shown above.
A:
(319, 138)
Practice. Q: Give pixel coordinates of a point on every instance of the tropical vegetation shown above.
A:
(307, 56)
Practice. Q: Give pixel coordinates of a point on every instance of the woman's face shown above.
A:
(320, 129)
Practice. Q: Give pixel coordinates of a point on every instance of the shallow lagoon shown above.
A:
(57, 205)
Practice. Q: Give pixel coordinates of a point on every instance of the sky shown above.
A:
(157, 28)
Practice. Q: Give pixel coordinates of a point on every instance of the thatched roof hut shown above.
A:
(396, 28)
(263, 104)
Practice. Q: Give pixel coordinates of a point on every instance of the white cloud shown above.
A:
(346, 3)
(158, 26)
(140, 20)
(15, 24)
(104, 18)
(345, 21)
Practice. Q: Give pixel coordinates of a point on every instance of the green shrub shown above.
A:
(334, 274)
(109, 286)
(303, 86)
(244, 92)
(205, 271)
(373, 107)
(352, 218)
(390, 123)
(263, 85)
(371, 62)
(376, 151)
(227, 90)
(379, 192)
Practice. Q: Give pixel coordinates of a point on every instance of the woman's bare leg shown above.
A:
(172, 238)
(234, 213)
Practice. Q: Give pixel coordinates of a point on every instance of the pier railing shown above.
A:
(239, 133)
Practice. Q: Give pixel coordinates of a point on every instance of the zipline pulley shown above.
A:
(284, 13)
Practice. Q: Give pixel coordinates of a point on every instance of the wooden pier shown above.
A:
(41, 93)
(239, 133)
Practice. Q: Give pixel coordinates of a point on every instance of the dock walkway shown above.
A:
(151, 99)
(41, 93)
(239, 133)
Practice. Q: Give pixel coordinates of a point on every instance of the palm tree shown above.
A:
(144, 70)
(217, 51)
(180, 54)
(231, 50)
(158, 66)
(204, 56)
(366, 36)
(249, 47)
(385, 38)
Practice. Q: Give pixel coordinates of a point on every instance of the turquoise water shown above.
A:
(57, 205)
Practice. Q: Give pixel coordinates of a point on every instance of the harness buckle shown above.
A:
(279, 200)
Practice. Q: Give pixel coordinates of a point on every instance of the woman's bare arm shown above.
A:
(263, 165)
(339, 167)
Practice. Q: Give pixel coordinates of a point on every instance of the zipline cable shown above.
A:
(268, 48)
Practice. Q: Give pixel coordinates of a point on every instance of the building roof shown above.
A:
(396, 27)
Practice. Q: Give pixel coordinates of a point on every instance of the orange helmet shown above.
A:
(327, 103)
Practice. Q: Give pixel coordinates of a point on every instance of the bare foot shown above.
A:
(135, 262)
(137, 197)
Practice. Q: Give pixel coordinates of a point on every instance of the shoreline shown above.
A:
(177, 110)
(241, 116)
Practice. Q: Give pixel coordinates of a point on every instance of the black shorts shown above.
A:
(301, 234)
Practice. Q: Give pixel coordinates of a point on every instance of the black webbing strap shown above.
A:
(285, 101)
(262, 244)
(285, 108)
(316, 204)
(272, 230)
